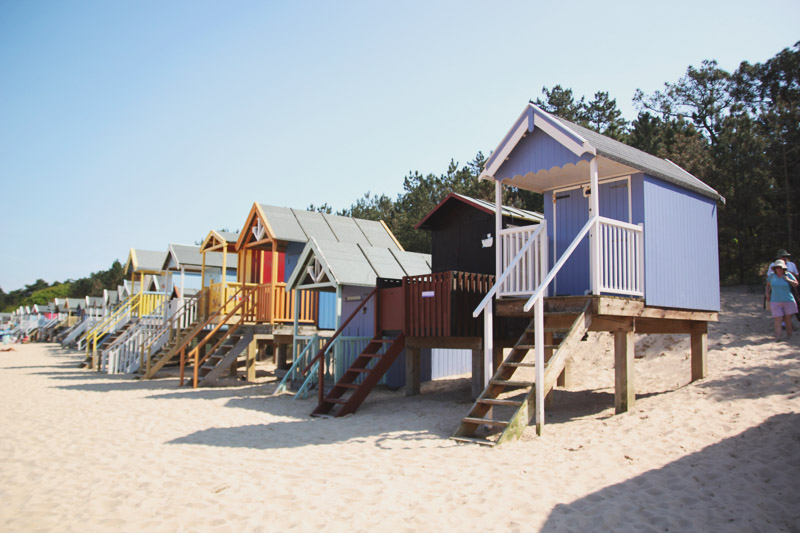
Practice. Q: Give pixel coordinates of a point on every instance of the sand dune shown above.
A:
(80, 451)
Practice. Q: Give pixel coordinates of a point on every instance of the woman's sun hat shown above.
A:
(780, 263)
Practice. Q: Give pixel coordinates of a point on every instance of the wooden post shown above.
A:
(497, 359)
(251, 360)
(280, 358)
(498, 225)
(548, 353)
(538, 335)
(699, 341)
(488, 344)
(412, 371)
(594, 233)
(477, 373)
(624, 390)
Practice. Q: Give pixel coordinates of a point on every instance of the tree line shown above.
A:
(42, 293)
(738, 131)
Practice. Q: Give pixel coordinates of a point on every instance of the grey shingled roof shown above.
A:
(633, 157)
(149, 260)
(191, 258)
(351, 263)
(229, 236)
(299, 225)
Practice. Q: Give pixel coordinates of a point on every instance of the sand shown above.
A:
(81, 451)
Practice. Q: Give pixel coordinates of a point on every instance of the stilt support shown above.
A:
(624, 392)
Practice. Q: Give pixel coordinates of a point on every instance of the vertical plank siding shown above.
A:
(682, 262)
(441, 304)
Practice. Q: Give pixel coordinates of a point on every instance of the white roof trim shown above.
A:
(535, 117)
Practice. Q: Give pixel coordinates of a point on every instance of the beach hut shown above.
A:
(143, 267)
(624, 236)
(219, 257)
(258, 307)
(432, 310)
(350, 268)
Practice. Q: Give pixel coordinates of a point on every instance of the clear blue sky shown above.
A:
(139, 123)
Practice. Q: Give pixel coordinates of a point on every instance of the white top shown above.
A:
(790, 267)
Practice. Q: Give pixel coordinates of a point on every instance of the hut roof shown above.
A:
(297, 225)
(584, 144)
(350, 263)
(144, 260)
(482, 205)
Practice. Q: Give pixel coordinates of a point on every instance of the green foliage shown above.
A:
(41, 293)
(421, 193)
(740, 133)
(47, 295)
(601, 114)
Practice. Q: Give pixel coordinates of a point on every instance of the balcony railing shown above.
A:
(526, 271)
(621, 257)
(273, 304)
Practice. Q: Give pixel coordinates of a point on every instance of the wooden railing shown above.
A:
(525, 272)
(242, 305)
(139, 305)
(319, 360)
(273, 304)
(621, 257)
(439, 305)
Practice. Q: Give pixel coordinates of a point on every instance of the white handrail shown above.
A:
(563, 259)
(498, 283)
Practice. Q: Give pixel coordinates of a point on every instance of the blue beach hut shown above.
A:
(628, 245)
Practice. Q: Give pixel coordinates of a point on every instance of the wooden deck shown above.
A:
(620, 316)
(623, 317)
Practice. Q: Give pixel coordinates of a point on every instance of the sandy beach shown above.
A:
(81, 451)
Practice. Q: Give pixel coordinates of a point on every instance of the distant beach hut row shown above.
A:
(504, 296)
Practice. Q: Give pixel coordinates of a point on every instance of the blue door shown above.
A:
(571, 213)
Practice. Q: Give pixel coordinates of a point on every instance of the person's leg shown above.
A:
(777, 321)
(788, 320)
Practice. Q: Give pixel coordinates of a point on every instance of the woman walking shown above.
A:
(781, 300)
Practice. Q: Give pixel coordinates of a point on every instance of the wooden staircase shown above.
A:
(173, 348)
(349, 393)
(505, 408)
(106, 341)
(225, 355)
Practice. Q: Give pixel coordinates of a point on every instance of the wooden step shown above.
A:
(473, 440)
(485, 421)
(519, 384)
(517, 365)
(339, 401)
(531, 346)
(346, 385)
(495, 401)
(359, 370)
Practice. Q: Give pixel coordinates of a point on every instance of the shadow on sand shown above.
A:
(750, 482)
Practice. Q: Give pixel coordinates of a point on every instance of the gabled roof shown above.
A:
(482, 205)
(112, 297)
(296, 225)
(144, 261)
(217, 240)
(347, 263)
(566, 159)
(189, 257)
